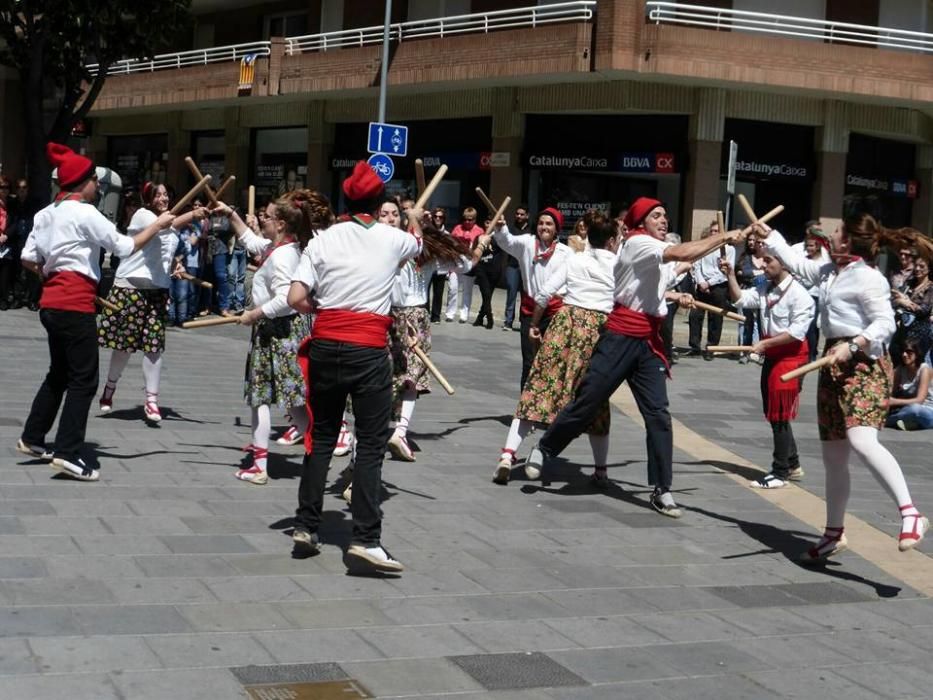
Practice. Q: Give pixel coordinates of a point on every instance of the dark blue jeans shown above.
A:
(72, 376)
(513, 282)
(180, 293)
(219, 263)
(236, 278)
(364, 374)
(618, 358)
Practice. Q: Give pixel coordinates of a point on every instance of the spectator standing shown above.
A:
(912, 309)
(466, 232)
(749, 273)
(441, 274)
(513, 273)
(815, 247)
(22, 207)
(7, 262)
(906, 258)
(220, 256)
(486, 274)
(711, 288)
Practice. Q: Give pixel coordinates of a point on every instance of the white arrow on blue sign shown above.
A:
(382, 165)
(388, 138)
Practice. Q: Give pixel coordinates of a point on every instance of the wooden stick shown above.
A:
(729, 348)
(193, 167)
(749, 212)
(771, 214)
(195, 280)
(486, 200)
(809, 367)
(183, 202)
(419, 174)
(251, 201)
(204, 323)
(223, 188)
(722, 229)
(495, 217)
(104, 304)
(429, 190)
(423, 356)
(716, 310)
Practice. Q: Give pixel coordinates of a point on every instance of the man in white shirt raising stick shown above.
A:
(786, 312)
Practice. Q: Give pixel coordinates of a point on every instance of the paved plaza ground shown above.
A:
(170, 579)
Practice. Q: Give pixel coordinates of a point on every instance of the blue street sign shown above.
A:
(388, 138)
(382, 165)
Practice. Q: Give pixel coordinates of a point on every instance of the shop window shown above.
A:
(366, 13)
(286, 24)
(852, 12)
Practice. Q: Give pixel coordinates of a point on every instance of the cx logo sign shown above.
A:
(664, 163)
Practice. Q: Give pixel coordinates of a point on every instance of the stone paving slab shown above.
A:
(160, 579)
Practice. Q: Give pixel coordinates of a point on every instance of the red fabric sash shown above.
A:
(69, 291)
(304, 362)
(554, 305)
(636, 324)
(783, 398)
(355, 327)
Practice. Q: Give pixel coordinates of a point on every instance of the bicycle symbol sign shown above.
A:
(382, 165)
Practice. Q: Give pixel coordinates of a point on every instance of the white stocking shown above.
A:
(517, 432)
(600, 446)
(118, 362)
(838, 486)
(409, 396)
(152, 371)
(887, 471)
(262, 426)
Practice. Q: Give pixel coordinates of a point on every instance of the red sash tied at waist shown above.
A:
(355, 327)
(69, 291)
(783, 398)
(554, 305)
(637, 324)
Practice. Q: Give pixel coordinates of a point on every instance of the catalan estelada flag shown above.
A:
(247, 74)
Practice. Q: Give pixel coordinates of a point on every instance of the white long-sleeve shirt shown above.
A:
(524, 248)
(274, 277)
(854, 299)
(411, 283)
(150, 267)
(642, 277)
(67, 236)
(784, 307)
(351, 266)
(588, 278)
(800, 249)
(706, 269)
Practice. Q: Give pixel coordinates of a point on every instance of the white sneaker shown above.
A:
(37, 451)
(290, 437)
(398, 446)
(371, 560)
(75, 468)
(344, 441)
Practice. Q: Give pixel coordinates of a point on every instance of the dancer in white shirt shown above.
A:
(857, 320)
(64, 249)
(538, 255)
(564, 357)
(140, 291)
(273, 376)
(786, 310)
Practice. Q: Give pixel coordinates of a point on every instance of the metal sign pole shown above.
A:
(384, 68)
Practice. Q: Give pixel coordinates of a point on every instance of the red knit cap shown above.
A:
(554, 214)
(363, 183)
(640, 208)
(73, 169)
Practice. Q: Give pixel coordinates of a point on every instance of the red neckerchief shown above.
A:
(268, 251)
(364, 220)
(543, 256)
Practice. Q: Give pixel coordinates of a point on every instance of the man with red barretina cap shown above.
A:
(631, 347)
(538, 256)
(64, 250)
(350, 270)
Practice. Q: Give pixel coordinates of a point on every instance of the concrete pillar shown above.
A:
(320, 145)
(701, 187)
(508, 135)
(237, 141)
(922, 214)
(832, 146)
(179, 145)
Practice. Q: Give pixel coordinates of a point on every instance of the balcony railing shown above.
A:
(786, 25)
(439, 27)
(198, 57)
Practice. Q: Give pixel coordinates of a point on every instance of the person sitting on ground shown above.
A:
(911, 405)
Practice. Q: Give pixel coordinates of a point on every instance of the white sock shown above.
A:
(600, 446)
(887, 471)
(517, 432)
(409, 396)
(838, 485)
(152, 371)
(262, 427)
(118, 362)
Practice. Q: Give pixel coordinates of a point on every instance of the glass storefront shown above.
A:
(138, 159)
(279, 161)
(880, 179)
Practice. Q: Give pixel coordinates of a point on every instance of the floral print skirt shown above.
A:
(273, 377)
(560, 365)
(140, 322)
(853, 393)
(407, 368)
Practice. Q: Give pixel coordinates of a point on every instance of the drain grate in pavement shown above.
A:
(512, 671)
(325, 681)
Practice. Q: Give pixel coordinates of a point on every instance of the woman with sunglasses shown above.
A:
(911, 404)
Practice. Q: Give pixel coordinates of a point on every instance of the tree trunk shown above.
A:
(39, 172)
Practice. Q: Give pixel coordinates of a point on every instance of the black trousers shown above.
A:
(364, 374)
(813, 332)
(72, 376)
(528, 349)
(667, 330)
(618, 358)
(485, 280)
(784, 457)
(437, 295)
(717, 295)
(8, 270)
